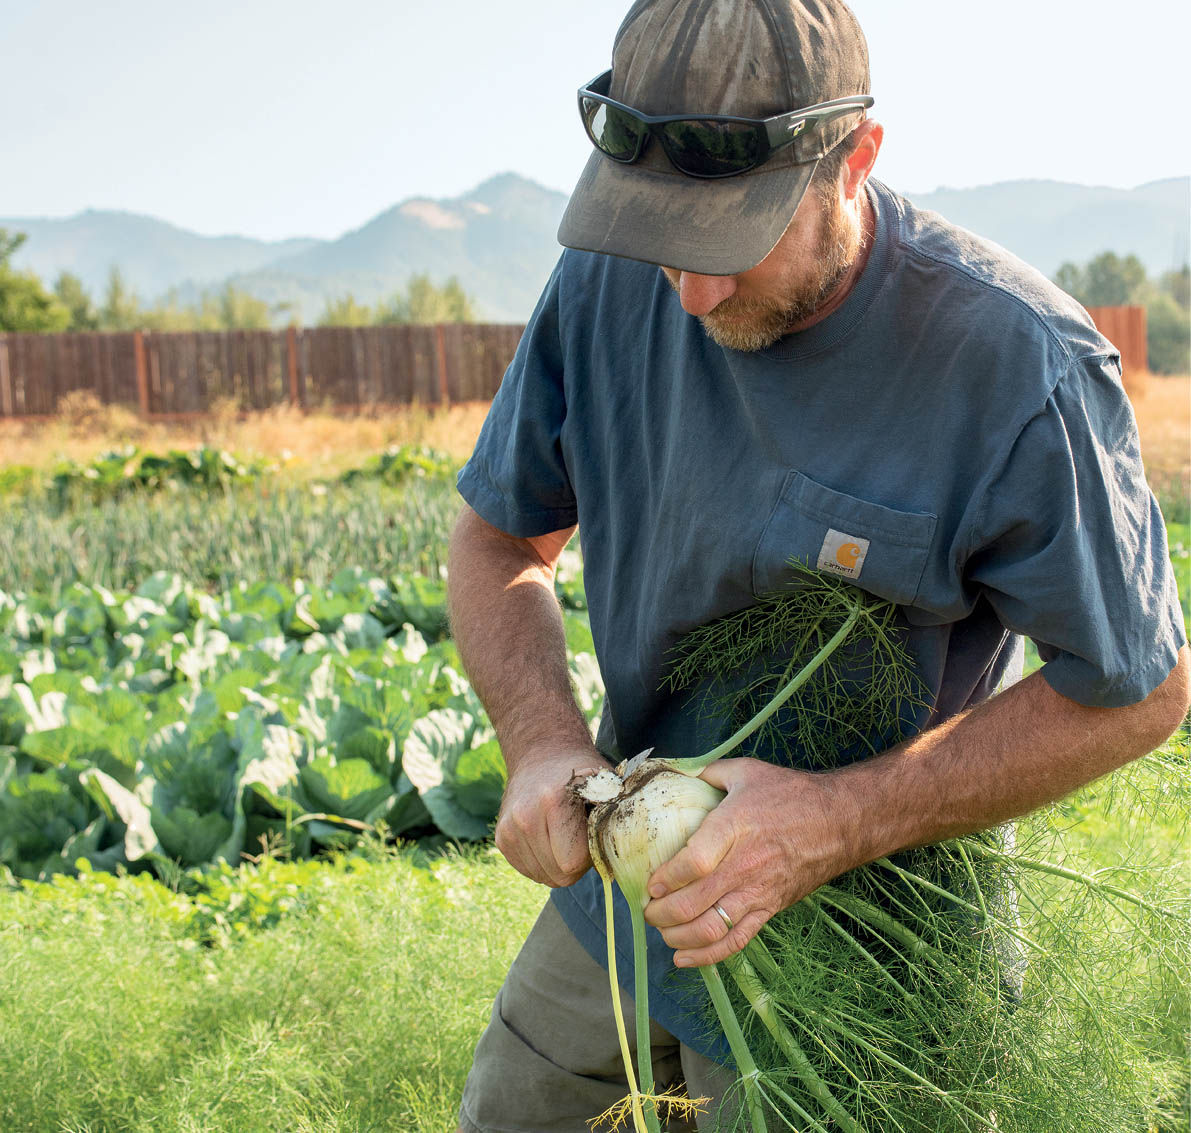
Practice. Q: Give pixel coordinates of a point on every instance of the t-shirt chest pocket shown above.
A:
(877, 548)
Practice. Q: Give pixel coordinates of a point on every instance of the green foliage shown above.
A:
(118, 472)
(423, 302)
(171, 725)
(1105, 281)
(1168, 335)
(1177, 284)
(929, 991)
(274, 995)
(76, 299)
(400, 462)
(25, 305)
(345, 312)
(115, 473)
(121, 309)
(262, 528)
(233, 309)
(861, 700)
(1110, 281)
(18, 478)
(1179, 536)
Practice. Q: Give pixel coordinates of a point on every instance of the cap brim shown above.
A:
(661, 216)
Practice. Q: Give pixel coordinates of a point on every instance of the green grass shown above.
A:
(1179, 538)
(356, 1010)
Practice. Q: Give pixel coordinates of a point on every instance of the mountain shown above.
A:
(1047, 223)
(152, 255)
(499, 239)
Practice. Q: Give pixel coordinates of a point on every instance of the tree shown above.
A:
(1168, 326)
(121, 308)
(1177, 284)
(1112, 281)
(238, 310)
(1106, 281)
(167, 314)
(229, 309)
(77, 300)
(25, 305)
(345, 312)
(423, 302)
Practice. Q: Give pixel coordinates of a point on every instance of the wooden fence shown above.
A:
(1125, 328)
(177, 374)
(171, 374)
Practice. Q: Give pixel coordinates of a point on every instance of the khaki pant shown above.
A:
(549, 1060)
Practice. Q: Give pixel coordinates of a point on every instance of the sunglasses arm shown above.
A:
(784, 128)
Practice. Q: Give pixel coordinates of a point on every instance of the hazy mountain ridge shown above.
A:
(152, 254)
(499, 239)
(1048, 223)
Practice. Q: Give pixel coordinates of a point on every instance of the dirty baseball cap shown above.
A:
(748, 58)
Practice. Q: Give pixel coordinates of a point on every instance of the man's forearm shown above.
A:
(1018, 751)
(508, 628)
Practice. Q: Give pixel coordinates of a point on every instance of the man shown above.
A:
(755, 352)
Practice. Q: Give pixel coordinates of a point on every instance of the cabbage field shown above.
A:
(190, 723)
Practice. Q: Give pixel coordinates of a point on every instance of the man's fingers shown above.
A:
(568, 844)
(518, 850)
(548, 847)
(703, 852)
(728, 944)
(705, 930)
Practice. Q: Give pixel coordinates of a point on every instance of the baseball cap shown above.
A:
(750, 58)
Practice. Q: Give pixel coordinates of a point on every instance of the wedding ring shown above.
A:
(724, 917)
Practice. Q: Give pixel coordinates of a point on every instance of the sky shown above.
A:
(304, 118)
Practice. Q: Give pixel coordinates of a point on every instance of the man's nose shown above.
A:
(700, 294)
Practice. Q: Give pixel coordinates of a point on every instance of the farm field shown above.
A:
(247, 659)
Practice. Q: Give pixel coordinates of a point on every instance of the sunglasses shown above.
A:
(710, 145)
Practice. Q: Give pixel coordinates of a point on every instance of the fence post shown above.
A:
(142, 373)
(291, 365)
(6, 399)
(440, 342)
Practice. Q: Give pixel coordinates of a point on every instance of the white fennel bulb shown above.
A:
(641, 822)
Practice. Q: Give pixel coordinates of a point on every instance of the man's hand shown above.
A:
(542, 828)
(776, 837)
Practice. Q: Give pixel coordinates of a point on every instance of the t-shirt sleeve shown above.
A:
(516, 478)
(1070, 546)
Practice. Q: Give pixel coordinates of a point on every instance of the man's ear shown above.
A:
(859, 163)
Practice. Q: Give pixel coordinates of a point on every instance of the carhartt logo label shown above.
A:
(843, 554)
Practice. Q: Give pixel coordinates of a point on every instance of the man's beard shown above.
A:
(764, 321)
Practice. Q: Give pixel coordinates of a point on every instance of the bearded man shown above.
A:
(753, 352)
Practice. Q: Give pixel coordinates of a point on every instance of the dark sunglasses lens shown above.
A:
(612, 131)
(705, 148)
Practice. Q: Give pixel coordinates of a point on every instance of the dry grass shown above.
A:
(319, 443)
(1163, 407)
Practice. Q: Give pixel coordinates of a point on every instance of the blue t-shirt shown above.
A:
(957, 424)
